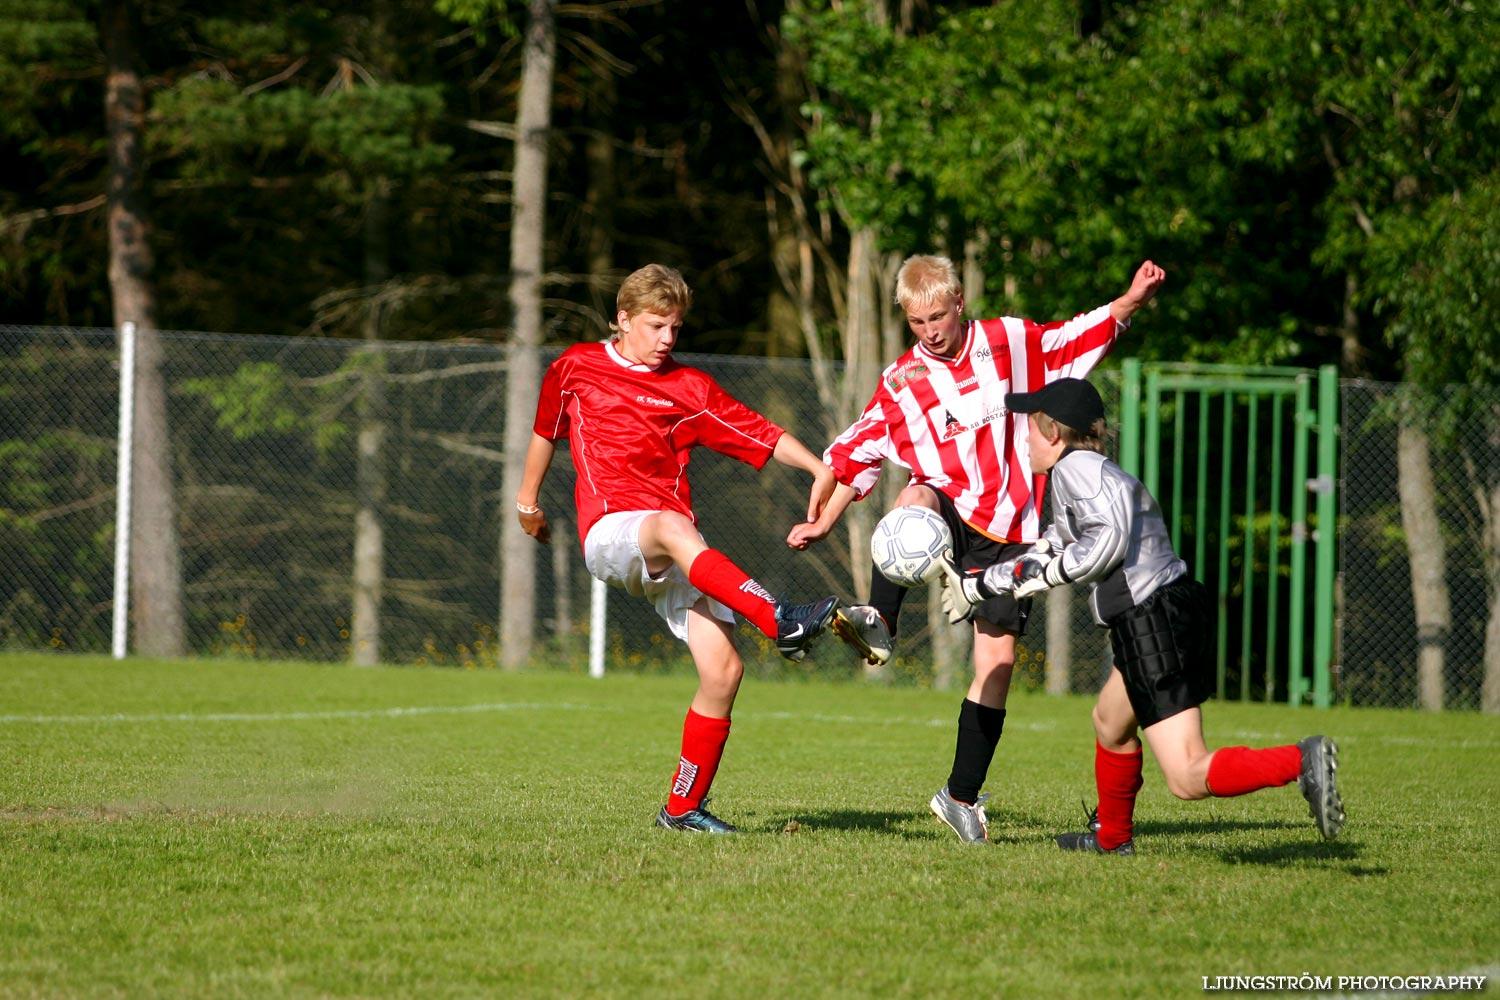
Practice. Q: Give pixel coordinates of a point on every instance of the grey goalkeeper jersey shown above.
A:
(1110, 531)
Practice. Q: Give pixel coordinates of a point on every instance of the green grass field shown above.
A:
(206, 829)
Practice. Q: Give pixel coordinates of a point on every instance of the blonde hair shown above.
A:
(655, 288)
(1092, 439)
(925, 279)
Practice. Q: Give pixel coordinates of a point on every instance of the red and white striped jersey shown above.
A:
(631, 429)
(945, 418)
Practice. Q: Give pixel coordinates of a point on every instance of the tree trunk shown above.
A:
(872, 334)
(523, 378)
(1428, 558)
(861, 337)
(156, 563)
(1489, 696)
(1059, 678)
(562, 589)
(370, 472)
(952, 645)
(599, 202)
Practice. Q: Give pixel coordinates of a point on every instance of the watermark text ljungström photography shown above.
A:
(1309, 983)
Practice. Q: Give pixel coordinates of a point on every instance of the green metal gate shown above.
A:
(1226, 451)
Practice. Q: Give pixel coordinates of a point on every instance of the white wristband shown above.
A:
(528, 508)
(1054, 574)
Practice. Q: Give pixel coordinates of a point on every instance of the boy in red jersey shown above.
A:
(632, 416)
(939, 411)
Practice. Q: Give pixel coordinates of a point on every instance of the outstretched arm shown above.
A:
(794, 454)
(803, 535)
(538, 460)
(1148, 278)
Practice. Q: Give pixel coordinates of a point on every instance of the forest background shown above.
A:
(1319, 179)
(1304, 169)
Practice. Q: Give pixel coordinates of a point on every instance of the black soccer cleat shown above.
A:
(1090, 842)
(694, 821)
(799, 624)
(1318, 783)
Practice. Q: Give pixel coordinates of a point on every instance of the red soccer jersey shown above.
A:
(631, 428)
(945, 418)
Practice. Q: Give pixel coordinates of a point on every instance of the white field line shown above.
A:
(1343, 741)
(1036, 727)
(371, 713)
(1221, 738)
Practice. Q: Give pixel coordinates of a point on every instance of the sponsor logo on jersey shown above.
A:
(687, 773)
(967, 383)
(953, 427)
(751, 587)
(982, 353)
(913, 371)
(653, 401)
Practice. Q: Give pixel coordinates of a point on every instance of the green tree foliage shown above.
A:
(1259, 151)
(1264, 152)
(274, 145)
(1441, 274)
(268, 123)
(52, 241)
(266, 130)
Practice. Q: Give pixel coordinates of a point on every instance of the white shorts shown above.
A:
(612, 553)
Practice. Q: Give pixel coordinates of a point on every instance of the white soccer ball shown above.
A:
(908, 545)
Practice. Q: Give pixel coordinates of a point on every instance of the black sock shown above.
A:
(886, 598)
(978, 734)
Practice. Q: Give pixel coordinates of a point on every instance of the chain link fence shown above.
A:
(264, 445)
(264, 440)
(1419, 534)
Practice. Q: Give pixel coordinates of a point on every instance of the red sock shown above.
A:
(714, 574)
(1118, 778)
(1237, 770)
(703, 742)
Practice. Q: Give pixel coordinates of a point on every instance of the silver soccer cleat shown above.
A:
(862, 627)
(969, 822)
(1318, 783)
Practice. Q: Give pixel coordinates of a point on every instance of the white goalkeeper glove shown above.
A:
(960, 593)
(1035, 572)
(1023, 576)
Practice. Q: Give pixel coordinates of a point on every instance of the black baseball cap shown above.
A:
(1070, 401)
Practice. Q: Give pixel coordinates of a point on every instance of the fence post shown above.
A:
(598, 598)
(1296, 685)
(1327, 536)
(123, 449)
(1130, 417)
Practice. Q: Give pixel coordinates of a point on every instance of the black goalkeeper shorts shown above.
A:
(1162, 650)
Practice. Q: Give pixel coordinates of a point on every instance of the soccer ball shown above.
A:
(908, 544)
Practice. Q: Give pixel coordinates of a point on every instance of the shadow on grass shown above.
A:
(864, 820)
(1297, 850)
(1189, 828)
(912, 824)
(1016, 830)
(1303, 852)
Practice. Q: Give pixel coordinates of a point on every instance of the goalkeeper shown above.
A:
(1108, 532)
